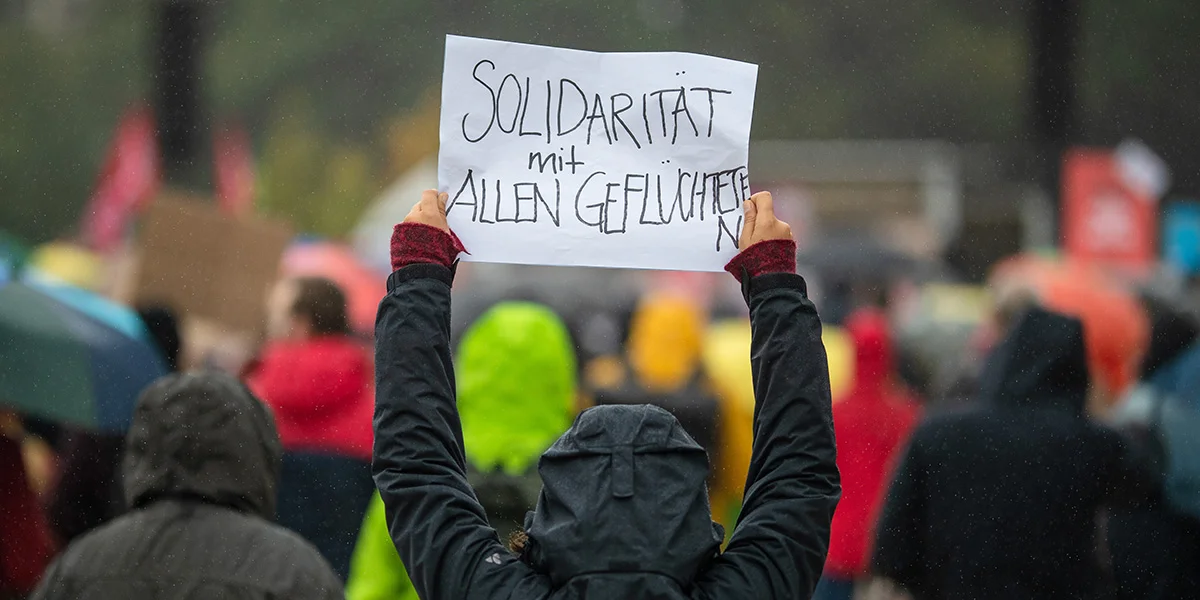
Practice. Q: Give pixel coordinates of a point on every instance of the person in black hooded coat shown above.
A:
(1002, 501)
(201, 464)
(623, 513)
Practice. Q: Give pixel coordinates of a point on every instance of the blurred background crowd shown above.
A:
(212, 184)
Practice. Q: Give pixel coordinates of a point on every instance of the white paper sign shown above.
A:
(566, 157)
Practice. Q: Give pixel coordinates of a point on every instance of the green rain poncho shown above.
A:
(516, 394)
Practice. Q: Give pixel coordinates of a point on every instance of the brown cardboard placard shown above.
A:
(206, 264)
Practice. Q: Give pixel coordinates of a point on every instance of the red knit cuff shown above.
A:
(770, 256)
(419, 243)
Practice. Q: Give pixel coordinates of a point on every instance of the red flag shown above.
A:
(1105, 221)
(233, 168)
(127, 183)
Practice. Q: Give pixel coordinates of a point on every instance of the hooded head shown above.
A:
(623, 491)
(1042, 363)
(665, 339)
(202, 436)
(873, 358)
(516, 385)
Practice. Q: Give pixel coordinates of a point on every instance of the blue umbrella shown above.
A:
(70, 356)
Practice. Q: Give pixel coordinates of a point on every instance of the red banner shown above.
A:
(233, 171)
(128, 182)
(1105, 220)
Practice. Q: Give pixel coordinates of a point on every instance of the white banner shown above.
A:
(565, 157)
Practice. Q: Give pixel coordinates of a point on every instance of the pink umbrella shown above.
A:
(364, 288)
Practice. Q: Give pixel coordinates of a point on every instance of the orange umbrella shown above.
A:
(364, 288)
(1115, 326)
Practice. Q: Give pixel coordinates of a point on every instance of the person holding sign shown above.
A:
(623, 512)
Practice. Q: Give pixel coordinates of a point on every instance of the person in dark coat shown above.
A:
(1002, 501)
(201, 464)
(623, 512)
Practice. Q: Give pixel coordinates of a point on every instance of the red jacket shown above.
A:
(872, 423)
(25, 543)
(321, 391)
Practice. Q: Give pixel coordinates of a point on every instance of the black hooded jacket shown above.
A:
(1002, 501)
(623, 513)
(201, 464)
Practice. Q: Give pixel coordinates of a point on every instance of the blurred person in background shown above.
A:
(872, 420)
(88, 491)
(516, 394)
(1002, 501)
(201, 464)
(316, 379)
(26, 541)
(1155, 545)
(662, 367)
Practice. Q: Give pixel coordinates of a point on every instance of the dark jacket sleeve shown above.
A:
(440, 529)
(899, 553)
(778, 547)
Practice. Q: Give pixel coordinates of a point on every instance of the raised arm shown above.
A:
(779, 544)
(440, 529)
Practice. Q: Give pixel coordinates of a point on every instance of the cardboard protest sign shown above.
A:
(207, 264)
(564, 157)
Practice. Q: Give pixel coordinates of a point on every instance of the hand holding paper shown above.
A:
(430, 210)
(761, 223)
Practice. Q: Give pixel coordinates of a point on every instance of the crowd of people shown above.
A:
(501, 467)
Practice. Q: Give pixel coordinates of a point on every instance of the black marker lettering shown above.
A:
(474, 203)
(616, 117)
(547, 111)
(598, 113)
(483, 200)
(682, 107)
(579, 195)
(662, 109)
(516, 108)
(531, 195)
(551, 159)
(491, 93)
(646, 121)
(711, 107)
(573, 163)
(525, 110)
(723, 228)
(561, 94)
(554, 215)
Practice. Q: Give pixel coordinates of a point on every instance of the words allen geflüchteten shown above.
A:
(561, 184)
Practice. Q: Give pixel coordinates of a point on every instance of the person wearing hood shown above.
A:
(1002, 501)
(200, 469)
(623, 512)
(317, 380)
(872, 421)
(663, 367)
(516, 395)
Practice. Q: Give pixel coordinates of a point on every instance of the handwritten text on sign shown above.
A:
(565, 157)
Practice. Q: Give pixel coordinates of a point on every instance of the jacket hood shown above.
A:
(205, 436)
(873, 356)
(516, 385)
(1042, 363)
(623, 492)
(665, 340)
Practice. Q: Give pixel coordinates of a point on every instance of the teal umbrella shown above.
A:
(70, 356)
